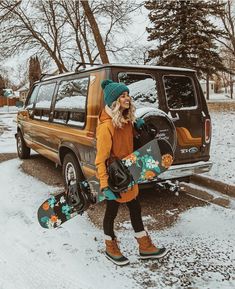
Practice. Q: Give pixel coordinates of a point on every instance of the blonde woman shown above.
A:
(115, 133)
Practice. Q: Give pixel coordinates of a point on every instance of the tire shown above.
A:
(22, 150)
(160, 127)
(71, 170)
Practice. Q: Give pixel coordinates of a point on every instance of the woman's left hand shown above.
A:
(139, 123)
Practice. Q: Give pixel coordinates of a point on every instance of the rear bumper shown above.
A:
(184, 170)
(180, 171)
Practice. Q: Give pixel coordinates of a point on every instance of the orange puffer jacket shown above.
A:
(115, 142)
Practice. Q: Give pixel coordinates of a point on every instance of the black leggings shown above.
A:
(111, 213)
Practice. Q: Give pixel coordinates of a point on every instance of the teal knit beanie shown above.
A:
(112, 90)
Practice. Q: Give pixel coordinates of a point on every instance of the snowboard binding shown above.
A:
(79, 196)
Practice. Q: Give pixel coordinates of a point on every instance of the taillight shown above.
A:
(207, 130)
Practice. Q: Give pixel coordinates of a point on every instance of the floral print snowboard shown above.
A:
(144, 164)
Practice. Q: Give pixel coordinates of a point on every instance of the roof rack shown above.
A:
(44, 75)
(84, 64)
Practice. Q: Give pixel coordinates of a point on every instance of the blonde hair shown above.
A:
(120, 117)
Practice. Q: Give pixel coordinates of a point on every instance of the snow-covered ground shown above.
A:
(202, 247)
(202, 242)
(7, 132)
(223, 146)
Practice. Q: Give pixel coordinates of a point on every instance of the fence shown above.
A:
(9, 101)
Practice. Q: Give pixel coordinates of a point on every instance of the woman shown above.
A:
(115, 139)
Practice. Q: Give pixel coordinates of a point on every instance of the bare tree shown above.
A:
(64, 31)
(228, 20)
(117, 18)
(6, 10)
(228, 43)
(228, 77)
(42, 31)
(77, 20)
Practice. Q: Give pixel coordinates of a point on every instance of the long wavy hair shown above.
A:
(120, 117)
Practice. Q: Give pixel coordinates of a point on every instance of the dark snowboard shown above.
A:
(144, 164)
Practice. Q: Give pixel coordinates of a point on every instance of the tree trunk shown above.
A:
(207, 87)
(60, 65)
(96, 31)
(83, 33)
(231, 85)
(230, 78)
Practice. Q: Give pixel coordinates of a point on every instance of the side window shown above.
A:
(143, 89)
(43, 101)
(70, 105)
(180, 92)
(32, 98)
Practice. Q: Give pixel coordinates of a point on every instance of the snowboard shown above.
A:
(145, 165)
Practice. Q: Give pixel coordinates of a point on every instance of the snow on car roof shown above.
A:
(121, 65)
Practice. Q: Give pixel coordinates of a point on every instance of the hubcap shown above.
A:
(19, 144)
(70, 173)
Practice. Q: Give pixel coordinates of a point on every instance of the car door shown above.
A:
(40, 131)
(183, 106)
(27, 116)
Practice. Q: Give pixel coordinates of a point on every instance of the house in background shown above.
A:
(9, 98)
(211, 86)
(23, 92)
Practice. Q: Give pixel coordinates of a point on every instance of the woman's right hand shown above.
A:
(110, 195)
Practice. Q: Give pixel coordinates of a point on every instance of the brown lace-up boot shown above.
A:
(113, 252)
(147, 249)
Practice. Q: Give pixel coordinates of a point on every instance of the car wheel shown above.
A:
(71, 170)
(22, 150)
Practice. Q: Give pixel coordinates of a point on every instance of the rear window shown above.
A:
(180, 92)
(142, 86)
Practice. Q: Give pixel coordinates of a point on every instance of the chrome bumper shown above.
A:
(184, 170)
(179, 171)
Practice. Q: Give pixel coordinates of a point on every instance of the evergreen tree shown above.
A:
(184, 35)
(2, 85)
(34, 70)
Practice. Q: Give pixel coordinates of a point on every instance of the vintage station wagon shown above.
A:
(61, 112)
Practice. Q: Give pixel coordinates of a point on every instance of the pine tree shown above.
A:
(184, 35)
(34, 70)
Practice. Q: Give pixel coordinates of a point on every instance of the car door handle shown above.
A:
(31, 113)
(173, 118)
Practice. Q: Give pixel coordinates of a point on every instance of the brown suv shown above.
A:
(60, 116)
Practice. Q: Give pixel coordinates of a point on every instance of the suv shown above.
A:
(61, 112)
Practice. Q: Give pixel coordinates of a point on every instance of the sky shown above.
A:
(136, 33)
